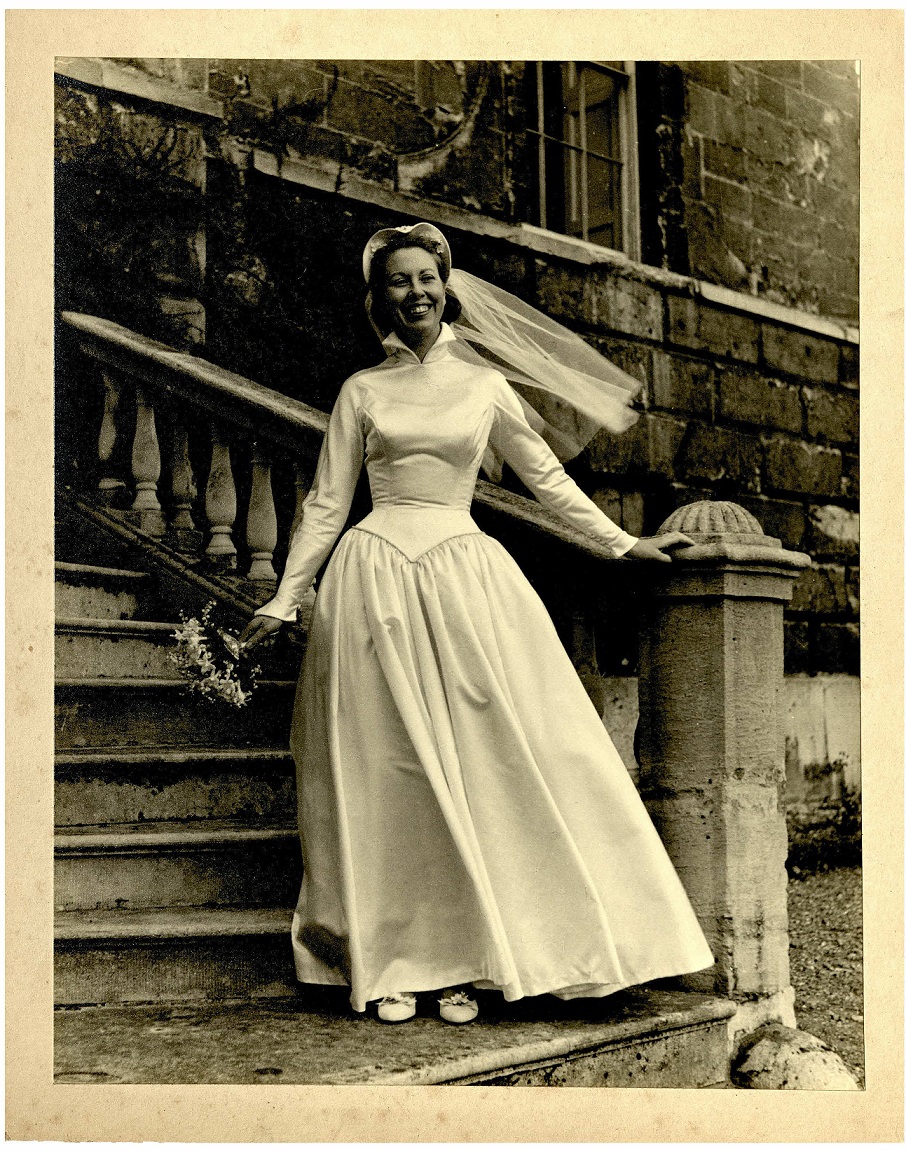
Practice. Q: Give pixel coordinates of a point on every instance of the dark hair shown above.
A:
(378, 273)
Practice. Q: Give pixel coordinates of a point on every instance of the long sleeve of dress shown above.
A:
(326, 506)
(542, 473)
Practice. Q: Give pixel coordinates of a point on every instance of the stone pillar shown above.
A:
(711, 745)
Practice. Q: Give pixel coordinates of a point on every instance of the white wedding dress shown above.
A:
(464, 815)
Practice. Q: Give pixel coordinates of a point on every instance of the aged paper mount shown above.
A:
(39, 1109)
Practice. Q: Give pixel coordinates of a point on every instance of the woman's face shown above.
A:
(414, 294)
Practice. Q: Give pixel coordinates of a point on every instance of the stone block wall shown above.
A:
(435, 127)
(737, 407)
(770, 179)
(749, 170)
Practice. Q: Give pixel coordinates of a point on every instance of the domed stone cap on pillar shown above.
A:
(718, 521)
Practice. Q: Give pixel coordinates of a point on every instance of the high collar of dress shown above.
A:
(395, 348)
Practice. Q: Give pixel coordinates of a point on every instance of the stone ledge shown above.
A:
(328, 176)
(94, 574)
(767, 554)
(526, 1059)
(100, 72)
(162, 757)
(117, 628)
(151, 927)
(153, 838)
(643, 1037)
(768, 310)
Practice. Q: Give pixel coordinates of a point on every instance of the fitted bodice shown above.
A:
(424, 439)
(422, 430)
(425, 432)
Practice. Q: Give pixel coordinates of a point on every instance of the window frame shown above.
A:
(626, 163)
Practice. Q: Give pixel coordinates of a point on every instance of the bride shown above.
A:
(465, 819)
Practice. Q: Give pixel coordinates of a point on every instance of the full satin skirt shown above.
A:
(464, 815)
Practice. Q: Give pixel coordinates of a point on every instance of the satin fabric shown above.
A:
(464, 815)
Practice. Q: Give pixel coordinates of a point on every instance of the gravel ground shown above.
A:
(826, 960)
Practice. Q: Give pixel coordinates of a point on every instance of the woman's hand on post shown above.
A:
(657, 547)
(259, 628)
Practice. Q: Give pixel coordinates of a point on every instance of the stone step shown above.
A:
(639, 1038)
(99, 592)
(172, 954)
(159, 865)
(117, 785)
(113, 648)
(93, 712)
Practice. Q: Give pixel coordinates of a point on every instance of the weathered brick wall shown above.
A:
(735, 405)
(770, 179)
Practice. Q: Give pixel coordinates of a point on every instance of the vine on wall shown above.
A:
(129, 206)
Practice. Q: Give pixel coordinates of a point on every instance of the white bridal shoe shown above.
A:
(457, 1007)
(396, 1008)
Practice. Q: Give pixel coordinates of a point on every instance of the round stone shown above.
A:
(777, 1058)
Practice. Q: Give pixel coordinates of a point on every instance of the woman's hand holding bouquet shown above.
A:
(258, 629)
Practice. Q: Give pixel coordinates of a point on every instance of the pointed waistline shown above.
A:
(415, 530)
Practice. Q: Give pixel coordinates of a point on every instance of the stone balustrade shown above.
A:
(235, 427)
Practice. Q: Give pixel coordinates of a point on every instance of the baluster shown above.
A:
(109, 487)
(583, 653)
(146, 510)
(300, 482)
(183, 534)
(261, 525)
(220, 502)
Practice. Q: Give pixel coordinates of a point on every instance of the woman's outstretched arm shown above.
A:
(324, 513)
(542, 473)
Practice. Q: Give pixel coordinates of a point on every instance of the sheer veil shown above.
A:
(568, 390)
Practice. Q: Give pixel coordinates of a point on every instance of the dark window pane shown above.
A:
(602, 132)
(580, 174)
(606, 236)
(554, 107)
(603, 201)
(598, 86)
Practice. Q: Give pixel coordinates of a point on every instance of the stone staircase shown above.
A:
(177, 865)
(179, 482)
(176, 859)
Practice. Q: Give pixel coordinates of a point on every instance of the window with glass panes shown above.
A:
(584, 126)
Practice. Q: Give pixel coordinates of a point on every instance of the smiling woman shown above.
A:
(407, 291)
(465, 818)
(414, 297)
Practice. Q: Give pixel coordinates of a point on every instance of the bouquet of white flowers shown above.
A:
(208, 658)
